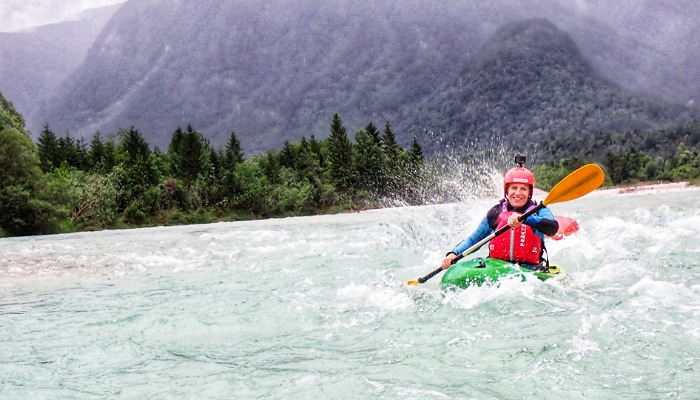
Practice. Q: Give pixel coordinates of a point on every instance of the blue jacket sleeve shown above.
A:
(543, 222)
(482, 231)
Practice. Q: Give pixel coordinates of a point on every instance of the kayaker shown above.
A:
(524, 242)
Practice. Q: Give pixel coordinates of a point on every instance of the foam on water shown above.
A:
(314, 307)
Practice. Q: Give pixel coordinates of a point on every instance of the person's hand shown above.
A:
(513, 221)
(447, 262)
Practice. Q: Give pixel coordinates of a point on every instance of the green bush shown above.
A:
(134, 214)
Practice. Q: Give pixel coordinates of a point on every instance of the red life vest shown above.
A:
(521, 245)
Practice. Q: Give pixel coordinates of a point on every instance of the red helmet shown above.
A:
(518, 175)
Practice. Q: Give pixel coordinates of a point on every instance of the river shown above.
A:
(314, 308)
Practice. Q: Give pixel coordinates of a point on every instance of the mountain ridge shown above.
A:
(278, 71)
(34, 62)
(531, 83)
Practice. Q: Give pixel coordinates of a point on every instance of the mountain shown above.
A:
(268, 72)
(34, 62)
(528, 84)
(276, 71)
(647, 46)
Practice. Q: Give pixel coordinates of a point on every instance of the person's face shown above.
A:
(518, 194)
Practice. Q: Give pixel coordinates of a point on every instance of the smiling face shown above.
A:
(518, 194)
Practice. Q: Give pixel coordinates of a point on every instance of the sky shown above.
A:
(16, 15)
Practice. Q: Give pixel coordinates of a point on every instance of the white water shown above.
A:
(314, 308)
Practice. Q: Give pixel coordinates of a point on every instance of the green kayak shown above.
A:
(478, 271)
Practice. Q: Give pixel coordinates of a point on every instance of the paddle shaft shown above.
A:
(483, 241)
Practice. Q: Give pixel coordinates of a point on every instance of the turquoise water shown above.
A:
(313, 308)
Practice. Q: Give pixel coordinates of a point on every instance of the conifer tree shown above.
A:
(133, 146)
(340, 156)
(391, 148)
(306, 159)
(176, 141)
(314, 144)
(288, 156)
(138, 175)
(372, 130)
(174, 149)
(370, 161)
(82, 161)
(392, 152)
(270, 167)
(193, 155)
(97, 153)
(214, 162)
(68, 148)
(101, 154)
(315, 147)
(49, 153)
(109, 159)
(415, 153)
(234, 152)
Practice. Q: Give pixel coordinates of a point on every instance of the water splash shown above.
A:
(453, 177)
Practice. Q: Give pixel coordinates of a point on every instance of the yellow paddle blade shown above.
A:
(412, 282)
(578, 183)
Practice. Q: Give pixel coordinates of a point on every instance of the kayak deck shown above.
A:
(477, 271)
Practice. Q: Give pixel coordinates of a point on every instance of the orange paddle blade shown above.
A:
(578, 183)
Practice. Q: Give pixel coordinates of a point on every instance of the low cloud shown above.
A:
(16, 15)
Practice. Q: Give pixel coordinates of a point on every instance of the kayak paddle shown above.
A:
(578, 183)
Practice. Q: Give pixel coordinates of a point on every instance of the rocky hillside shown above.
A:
(34, 62)
(528, 84)
(277, 71)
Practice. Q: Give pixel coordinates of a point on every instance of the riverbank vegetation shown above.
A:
(63, 184)
(66, 184)
(667, 155)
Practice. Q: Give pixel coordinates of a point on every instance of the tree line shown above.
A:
(671, 154)
(63, 184)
